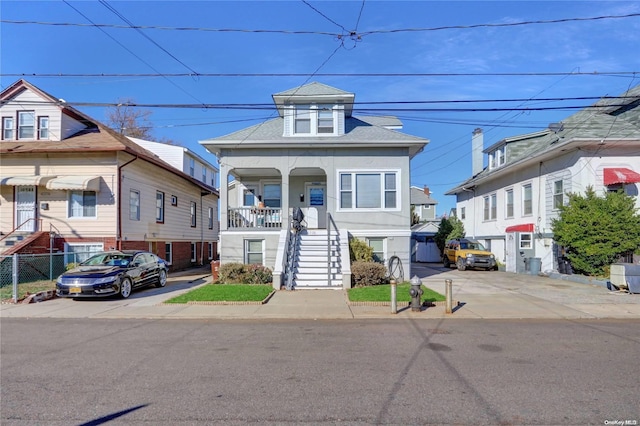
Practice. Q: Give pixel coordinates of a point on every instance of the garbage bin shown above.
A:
(535, 265)
(215, 269)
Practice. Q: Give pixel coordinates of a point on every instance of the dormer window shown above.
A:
(7, 128)
(497, 158)
(303, 119)
(26, 124)
(43, 127)
(314, 119)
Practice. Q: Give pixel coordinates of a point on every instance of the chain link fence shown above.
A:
(22, 274)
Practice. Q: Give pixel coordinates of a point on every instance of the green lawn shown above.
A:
(225, 293)
(382, 293)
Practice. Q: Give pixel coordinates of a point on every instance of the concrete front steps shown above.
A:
(311, 263)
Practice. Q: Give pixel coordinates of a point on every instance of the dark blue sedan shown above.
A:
(113, 273)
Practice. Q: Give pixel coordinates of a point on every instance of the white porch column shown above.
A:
(224, 195)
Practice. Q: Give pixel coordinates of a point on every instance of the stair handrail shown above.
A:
(330, 222)
(288, 256)
(38, 221)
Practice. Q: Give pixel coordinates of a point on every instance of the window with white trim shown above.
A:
(490, 207)
(210, 217)
(525, 240)
(204, 174)
(558, 194)
(134, 204)
(8, 128)
(26, 124)
(168, 253)
(368, 190)
(378, 246)
(272, 195)
(508, 197)
(302, 119)
(82, 204)
(43, 127)
(325, 118)
(212, 173)
(194, 252)
(210, 251)
(192, 167)
(79, 252)
(527, 200)
(254, 251)
(159, 207)
(249, 196)
(497, 158)
(463, 213)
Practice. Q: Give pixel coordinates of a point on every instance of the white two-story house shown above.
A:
(349, 175)
(509, 205)
(70, 184)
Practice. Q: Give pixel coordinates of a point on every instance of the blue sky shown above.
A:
(307, 37)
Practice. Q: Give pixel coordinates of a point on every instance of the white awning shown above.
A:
(29, 180)
(75, 183)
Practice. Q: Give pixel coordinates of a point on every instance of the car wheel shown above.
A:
(460, 264)
(445, 261)
(162, 278)
(125, 288)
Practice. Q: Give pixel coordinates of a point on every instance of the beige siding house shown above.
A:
(349, 175)
(71, 184)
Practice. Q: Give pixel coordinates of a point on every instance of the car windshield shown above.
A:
(472, 246)
(108, 259)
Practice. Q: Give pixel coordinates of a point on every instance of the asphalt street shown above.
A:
(93, 371)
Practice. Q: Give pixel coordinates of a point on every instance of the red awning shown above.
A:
(525, 227)
(614, 175)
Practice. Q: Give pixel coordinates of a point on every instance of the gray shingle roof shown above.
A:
(313, 89)
(608, 119)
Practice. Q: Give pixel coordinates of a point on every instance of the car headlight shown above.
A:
(492, 256)
(469, 255)
(105, 280)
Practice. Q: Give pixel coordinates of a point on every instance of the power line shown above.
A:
(631, 74)
(324, 33)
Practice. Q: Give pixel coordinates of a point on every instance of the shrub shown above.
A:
(368, 273)
(359, 251)
(240, 273)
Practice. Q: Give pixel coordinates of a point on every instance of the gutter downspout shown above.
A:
(119, 215)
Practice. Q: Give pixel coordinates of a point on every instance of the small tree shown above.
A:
(130, 121)
(447, 230)
(596, 231)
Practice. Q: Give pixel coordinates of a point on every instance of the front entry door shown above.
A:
(25, 208)
(316, 206)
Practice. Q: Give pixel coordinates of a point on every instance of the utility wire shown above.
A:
(121, 16)
(130, 51)
(631, 74)
(324, 16)
(399, 30)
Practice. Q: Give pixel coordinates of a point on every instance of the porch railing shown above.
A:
(36, 227)
(254, 217)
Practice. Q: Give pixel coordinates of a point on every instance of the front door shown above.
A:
(25, 208)
(316, 206)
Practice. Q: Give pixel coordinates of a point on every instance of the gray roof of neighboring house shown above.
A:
(616, 118)
(418, 197)
(312, 89)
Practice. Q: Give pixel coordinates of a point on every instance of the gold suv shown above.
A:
(466, 253)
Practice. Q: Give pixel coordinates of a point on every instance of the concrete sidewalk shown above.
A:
(481, 295)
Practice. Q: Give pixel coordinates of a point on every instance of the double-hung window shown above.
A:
(302, 119)
(210, 217)
(7, 128)
(134, 204)
(558, 194)
(26, 124)
(159, 207)
(490, 207)
(254, 251)
(43, 127)
(527, 198)
(168, 253)
(82, 204)
(325, 118)
(192, 167)
(192, 213)
(369, 190)
(508, 196)
(204, 174)
(377, 245)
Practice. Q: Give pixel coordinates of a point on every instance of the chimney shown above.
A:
(427, 191)
(477, 146)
